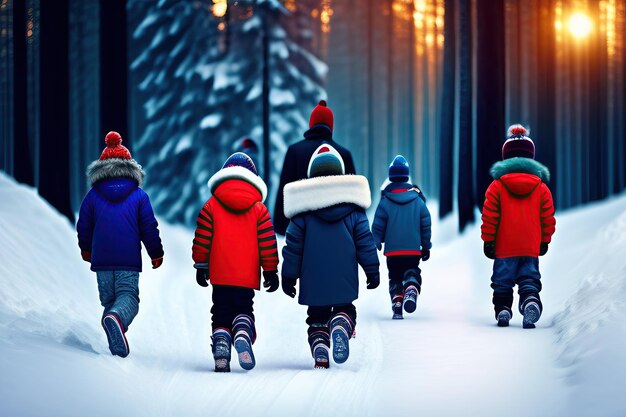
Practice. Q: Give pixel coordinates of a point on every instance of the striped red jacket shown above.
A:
(518, 214)
(235, 236)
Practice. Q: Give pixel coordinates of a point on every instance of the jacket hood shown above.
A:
(520, 165)
(239, 173)
(237, 195)
(116, 190)
(115, 168)
(322, 192)
(335, 213)
(402, 197)
(319, 132)
(519, 184)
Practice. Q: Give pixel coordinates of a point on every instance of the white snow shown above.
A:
(210, 121)
(447, 359)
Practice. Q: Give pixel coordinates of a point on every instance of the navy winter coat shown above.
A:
(402, 221)
(296, 164)
(115, 217)
(325, 246)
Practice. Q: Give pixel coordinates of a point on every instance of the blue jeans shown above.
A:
(507, 272)
(119, 294)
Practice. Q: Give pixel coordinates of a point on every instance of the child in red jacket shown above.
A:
(233, 239)
(517, 226)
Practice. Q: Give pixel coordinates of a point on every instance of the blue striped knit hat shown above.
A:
(325, 161)
(399, 169)
(240, 159)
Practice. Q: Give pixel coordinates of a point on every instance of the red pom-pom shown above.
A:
(517, 130)
(322, 103)
(113, 139)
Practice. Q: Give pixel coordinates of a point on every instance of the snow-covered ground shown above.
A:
(447, 359)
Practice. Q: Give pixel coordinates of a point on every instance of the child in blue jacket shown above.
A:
(327, 237)
(115, 217)
(402, 222)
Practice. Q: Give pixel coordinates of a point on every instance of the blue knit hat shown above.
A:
(325, 161)
(399, 169)
(240, 159)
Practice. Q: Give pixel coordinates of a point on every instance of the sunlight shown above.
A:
(580, 25)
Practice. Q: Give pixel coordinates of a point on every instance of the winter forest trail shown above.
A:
(447, 359)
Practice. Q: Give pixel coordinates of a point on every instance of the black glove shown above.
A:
(270, 280)
(289, 286)
(379, 245)
(202, 274)
(490, 250)
(425, 254)
(543, 249)
(373, 280)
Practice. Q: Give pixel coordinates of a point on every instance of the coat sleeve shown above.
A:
(548, 222)
(491, 213)
(379, 226)
(366, 253)
(268, 250)
(85, 224)
(287, 175)
(293, 249)
(149, 229)
(425, 226)
(203, 236)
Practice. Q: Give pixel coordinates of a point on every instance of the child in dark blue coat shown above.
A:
(115, 217)
(402, 222)
(327, 238)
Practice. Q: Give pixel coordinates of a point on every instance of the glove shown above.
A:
(379, 245)
(202, 274)
(425, 254)
(270, 280)
(490, 250)
(157, 262)
(289, 286)
(86, 256)
(373, 280)
(543, 249)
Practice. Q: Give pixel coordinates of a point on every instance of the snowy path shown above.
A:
(447, 359)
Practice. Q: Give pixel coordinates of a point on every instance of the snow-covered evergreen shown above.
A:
(200, 90)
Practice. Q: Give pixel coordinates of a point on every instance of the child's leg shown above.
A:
(502, 282)
(126, 304)
(243, 328)
(222, 314)
(412, 283)
(319, 334)
(342, 326)
(106, 289)
(111, 319)
(396, 275)
(529, 286)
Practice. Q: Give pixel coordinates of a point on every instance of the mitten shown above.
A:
(543, 249)
(157, 262)
(86, 256)
(490, 250)
(202, 274)
(289, 286)
(373, 280)
(379, 245)
(425, 254)
(270, 280)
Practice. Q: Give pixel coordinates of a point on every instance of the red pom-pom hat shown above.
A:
(518, 144)
(114, 148)
(321, 115)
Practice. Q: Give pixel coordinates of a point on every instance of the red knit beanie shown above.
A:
(321, 115)
(114, 147)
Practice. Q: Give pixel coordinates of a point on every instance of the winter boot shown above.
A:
(244, 335)
(531, 309)
(396, 307)
(504, 316)
(341, 329)
(319, 341)
(118, 345)
(221, 349)
(411, 286)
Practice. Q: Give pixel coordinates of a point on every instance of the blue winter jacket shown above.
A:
(115, 217)
(402, 221)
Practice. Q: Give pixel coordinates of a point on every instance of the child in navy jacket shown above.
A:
(327, 237)
(115, 218)
(402, 222)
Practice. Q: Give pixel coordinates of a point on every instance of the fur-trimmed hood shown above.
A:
(115, 168)
(322, 192)
(238, 173)
(520, 165)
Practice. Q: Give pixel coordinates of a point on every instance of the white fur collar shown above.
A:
(239, 173)
(321, 192)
